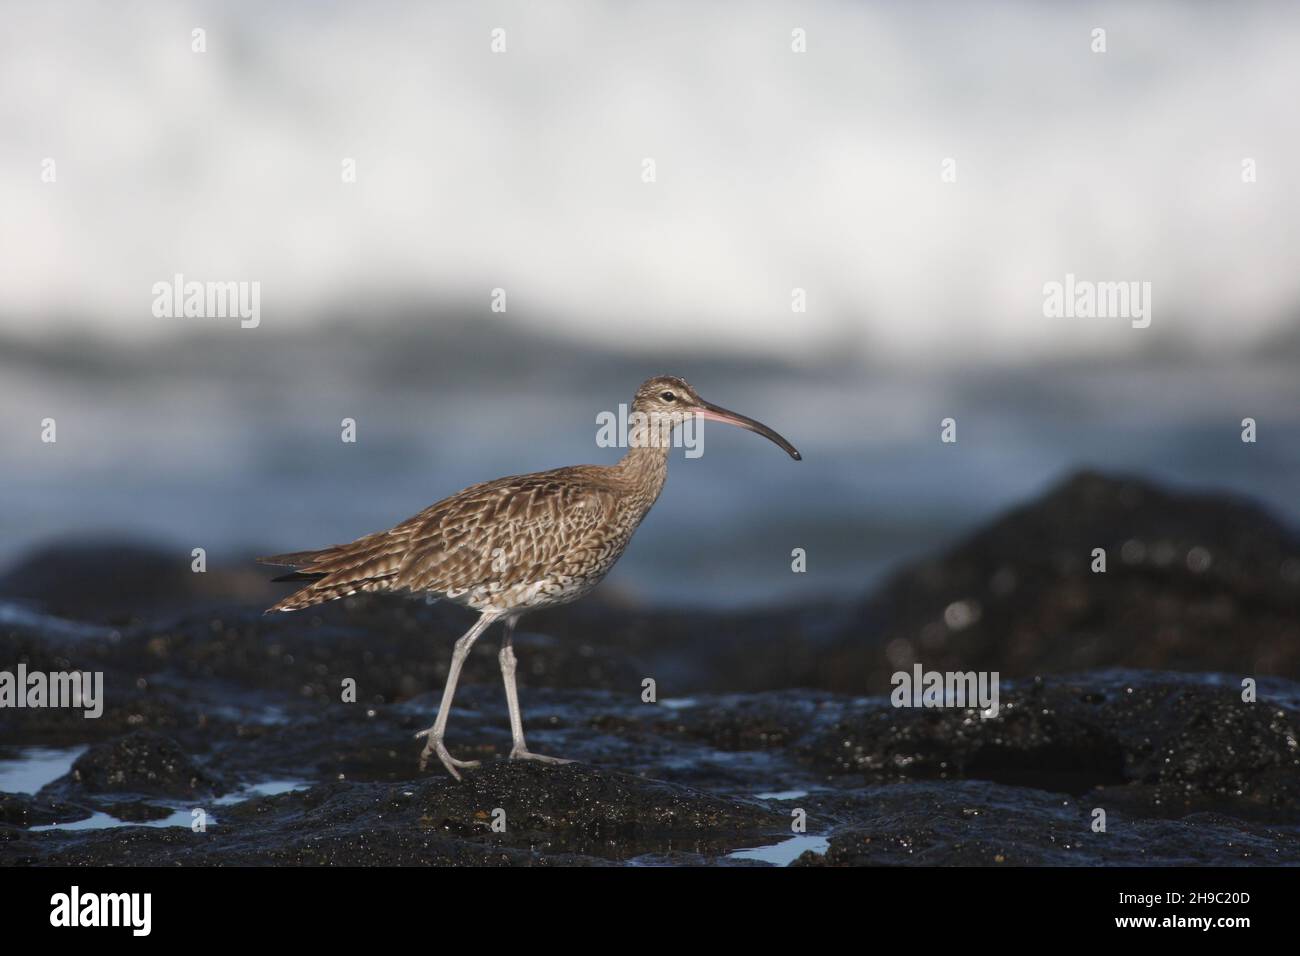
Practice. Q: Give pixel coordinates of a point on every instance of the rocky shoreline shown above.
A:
(1121, 693)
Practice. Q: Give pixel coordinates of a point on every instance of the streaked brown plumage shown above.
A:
(523, 541)
(516, 544)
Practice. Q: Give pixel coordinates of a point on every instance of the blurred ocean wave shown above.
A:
(775, 170)
(237, 448)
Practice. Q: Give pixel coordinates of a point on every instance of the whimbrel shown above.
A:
(514, 545)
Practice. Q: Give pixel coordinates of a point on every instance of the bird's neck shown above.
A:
(645, 467)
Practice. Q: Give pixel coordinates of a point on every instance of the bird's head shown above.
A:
(666, 401)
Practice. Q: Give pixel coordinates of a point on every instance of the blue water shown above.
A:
(785, 852)
(247, 459)
(34, 767)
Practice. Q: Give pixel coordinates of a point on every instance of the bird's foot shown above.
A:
(434, 745)
(523, 753)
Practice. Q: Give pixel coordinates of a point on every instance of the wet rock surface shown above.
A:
(229, 737)
(1192, 582)
(24, 810)
(969, 823)
(1183, 769)
(141, 762)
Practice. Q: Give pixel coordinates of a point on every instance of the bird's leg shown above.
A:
(518, 749)
(434, 744)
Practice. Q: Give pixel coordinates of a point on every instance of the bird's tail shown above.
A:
(332, 572)
(308, 564)
(298, 559)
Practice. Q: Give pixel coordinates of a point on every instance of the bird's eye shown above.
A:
(668, 396)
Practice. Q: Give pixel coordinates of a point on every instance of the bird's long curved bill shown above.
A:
(716, 413)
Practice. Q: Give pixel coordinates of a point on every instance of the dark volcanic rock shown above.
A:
(144, 763)
(137, 811)
(1185, 771)
(22, 810)
(980, 824)
(545, 801)
(505, 813)
(115, 582)
(1182, 744)
(1192, 582)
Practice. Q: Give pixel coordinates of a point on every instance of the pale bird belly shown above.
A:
(531, 595)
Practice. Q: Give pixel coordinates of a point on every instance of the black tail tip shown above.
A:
(297, 576)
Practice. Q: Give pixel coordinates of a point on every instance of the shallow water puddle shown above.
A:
(36, 767)
(785, 852)
(782, 795)
(267, 788)
(182, 816)
(103, 821)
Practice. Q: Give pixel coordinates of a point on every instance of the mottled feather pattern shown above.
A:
(526, 541)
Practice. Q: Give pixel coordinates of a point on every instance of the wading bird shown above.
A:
(514, 545)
